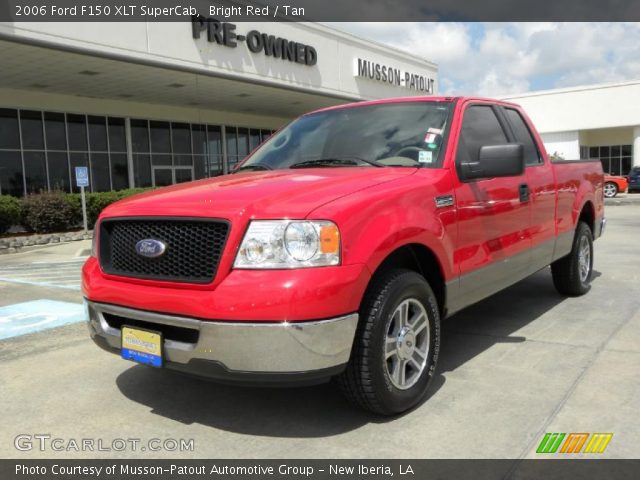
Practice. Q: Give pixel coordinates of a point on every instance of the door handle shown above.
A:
(523, 189)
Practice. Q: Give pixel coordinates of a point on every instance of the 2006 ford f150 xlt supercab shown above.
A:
(335, 249)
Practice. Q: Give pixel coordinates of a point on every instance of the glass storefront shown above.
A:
(616, 159)
(39, 150)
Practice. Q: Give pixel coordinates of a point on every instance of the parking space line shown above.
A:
(40, 284)
(36, 315)
(65, 274)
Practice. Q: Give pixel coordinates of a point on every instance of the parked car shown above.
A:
(613, 185)
(634, 180)
(338, 246)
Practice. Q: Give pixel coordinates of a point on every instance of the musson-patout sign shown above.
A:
(393, 76)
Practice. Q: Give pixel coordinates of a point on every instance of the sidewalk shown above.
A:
(623, 199)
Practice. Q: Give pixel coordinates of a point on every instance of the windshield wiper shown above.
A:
(253, 168)
(334, 162)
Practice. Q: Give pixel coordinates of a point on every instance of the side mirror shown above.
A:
(495, 161)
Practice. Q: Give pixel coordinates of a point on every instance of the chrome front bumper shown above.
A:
(235, 351)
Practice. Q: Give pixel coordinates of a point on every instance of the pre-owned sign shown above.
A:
(224, 33)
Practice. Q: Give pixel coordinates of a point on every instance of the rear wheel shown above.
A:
(572, 274)
(610, 189)
(396, 346)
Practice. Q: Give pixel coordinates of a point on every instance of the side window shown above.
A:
(480, 127)
(523, 136)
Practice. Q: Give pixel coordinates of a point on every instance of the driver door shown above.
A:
(493, 249)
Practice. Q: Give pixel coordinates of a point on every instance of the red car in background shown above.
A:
(614, 185)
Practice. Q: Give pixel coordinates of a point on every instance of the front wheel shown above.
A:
(396, 346)
(610, 189)
(572, 274)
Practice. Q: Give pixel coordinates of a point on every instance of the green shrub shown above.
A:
(96, 202)
(9, 212)
(57, 211)
(47, 212)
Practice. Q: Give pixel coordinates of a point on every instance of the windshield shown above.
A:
(390, 134)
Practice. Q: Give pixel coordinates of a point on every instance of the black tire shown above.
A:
(366, 381)
(566, 272)
(610, 189)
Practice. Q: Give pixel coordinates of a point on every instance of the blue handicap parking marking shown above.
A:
(29, 317)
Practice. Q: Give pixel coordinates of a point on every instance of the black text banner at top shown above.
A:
(321, 11)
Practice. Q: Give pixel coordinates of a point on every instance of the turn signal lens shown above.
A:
(329, 239)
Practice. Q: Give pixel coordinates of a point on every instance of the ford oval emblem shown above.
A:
(150, 248)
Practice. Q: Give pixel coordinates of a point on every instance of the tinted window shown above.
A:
(232, 142)
(119, 171)
(160, 139)
(98, 134)
(181, 138)
(243, 142)
(35, 172)
(117, 140)
(523, 136)
(140, 136)
(100, 172)
(11, 173)
(77, 128)
(58, 170)
(55, 131)
(141, 170)
(32, 133)
(199, 138)
(254, 139)
(9, 133)
(199, 166)
(480, 127)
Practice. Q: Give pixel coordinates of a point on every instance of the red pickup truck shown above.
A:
(338, 246)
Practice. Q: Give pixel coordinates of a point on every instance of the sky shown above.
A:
(495, 59)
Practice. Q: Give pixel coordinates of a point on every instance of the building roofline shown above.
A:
(579, 88)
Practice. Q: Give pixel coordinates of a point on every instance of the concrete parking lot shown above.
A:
(521, 363)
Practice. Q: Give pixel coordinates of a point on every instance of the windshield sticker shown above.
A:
(437, 131)
(432, 146)
(430, 138)
(425, 156)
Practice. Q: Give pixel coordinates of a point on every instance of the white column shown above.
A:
(636, 146)
(127, 131)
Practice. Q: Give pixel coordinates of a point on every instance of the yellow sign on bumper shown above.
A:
(142, 346)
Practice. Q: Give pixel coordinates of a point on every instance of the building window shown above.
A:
(173, 152)
(616, 159)
(215, 160)
(40, 150)
(11, 171)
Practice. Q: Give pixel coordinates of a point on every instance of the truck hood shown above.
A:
(272, 194)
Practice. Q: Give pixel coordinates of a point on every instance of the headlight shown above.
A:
(289, 244)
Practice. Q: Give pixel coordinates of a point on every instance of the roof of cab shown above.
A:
(412, 99)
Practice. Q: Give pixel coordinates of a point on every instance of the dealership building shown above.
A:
(144, 104)
(154, 103)
(596, 121)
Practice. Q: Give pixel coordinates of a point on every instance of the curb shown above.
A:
(15, 244)
(622, 200)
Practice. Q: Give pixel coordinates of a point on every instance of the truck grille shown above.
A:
(193, 248)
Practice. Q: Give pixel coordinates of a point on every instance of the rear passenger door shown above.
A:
(493, 249)
(541, 187)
